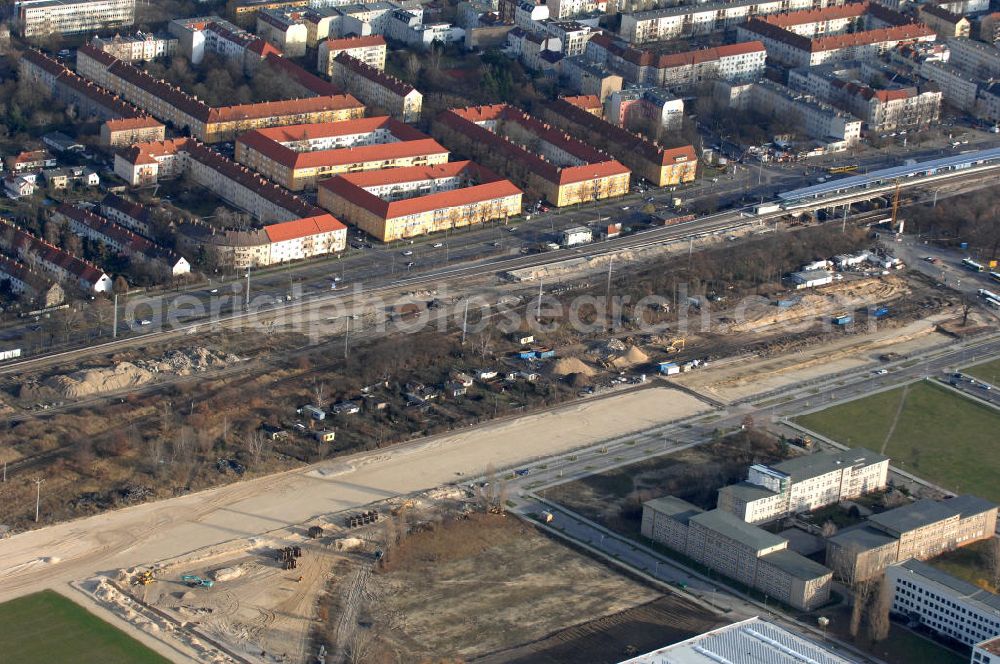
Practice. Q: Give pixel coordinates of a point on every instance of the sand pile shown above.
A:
(125, 375)
(631, 358)
(572, 365)
(94, 381)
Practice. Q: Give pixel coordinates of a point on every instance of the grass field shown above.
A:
(47, 627)
(939, 436)
(988, 371)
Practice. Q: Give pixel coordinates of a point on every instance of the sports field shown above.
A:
(933, 433)
(46, 627)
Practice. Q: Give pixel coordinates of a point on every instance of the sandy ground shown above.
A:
(53, 556)
(745, 378)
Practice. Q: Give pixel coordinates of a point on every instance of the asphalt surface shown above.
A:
(378, 265)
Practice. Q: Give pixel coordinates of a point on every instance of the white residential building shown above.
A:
(369, 50)
(140, 47)
(528, 16)
(938, 601)
(573, 36)
(804, 483)
(284, 29)
(974, 57)
(564, 9)
(38, 18)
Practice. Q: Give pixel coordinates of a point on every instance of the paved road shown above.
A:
(384, 264)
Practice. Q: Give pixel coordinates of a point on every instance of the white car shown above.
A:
(880, 372)
(437, 245)
(407, 253)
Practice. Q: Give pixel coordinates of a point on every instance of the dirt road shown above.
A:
(52, 556)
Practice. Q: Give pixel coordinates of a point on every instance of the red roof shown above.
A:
(290, 230)
(270, 143)
(124, 124)
(377, 76)
(596, 163)
(803, 16)
(354, 42)
(484, 185)
(131, 243)
(586, 102)
(52, 255)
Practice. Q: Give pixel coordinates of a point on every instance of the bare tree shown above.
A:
(878, 612)
(256, 444)
(360, 646)
(319, 393)
(862, 591)
(993, 561)
(829, 529)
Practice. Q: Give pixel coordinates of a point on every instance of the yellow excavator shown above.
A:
(143, 578)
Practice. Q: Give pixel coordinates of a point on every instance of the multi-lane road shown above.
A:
(376, 266)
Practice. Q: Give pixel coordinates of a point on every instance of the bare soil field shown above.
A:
(614, 498)
(611, 639)
(463, 588)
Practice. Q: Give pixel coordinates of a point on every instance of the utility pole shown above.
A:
(4, 471)
(246, 303)
(347, 336)
(538, 308)
(465, 321)
(611, 314)
(114, 323)
(843, 227)
(38, 496)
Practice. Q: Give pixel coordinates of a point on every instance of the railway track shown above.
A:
(718, 223)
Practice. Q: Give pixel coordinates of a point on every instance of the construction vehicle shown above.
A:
(143, 578)
(195, 581)
(676, 345)
(405, 505)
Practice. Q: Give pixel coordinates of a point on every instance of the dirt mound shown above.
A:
(572, 365)
(94, 381)
(125, 375)
(631, 358)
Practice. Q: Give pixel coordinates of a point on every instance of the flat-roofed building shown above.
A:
(40, 18)
(659, 165)
(140, 47)
(377, 89)
(737, 549)
(398, 203)
(751, 641)
(938, 601)
(369, 50)
(919, 530)
(298, 156)
(804, 483)
(284, 29)
(986, 652)
(545, 161)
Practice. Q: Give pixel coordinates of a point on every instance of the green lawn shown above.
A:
(940, 436)
(988, 371)
(47, 627)
(904, 646)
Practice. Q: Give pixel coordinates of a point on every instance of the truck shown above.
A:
(881, 312)
(842, 319)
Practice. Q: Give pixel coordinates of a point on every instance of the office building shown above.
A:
(743, 552)
(40, 18)
(804, 483)
(919, 530)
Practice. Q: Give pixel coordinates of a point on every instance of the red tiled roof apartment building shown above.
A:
(855, 31)
(661, 166)
(52, 261)
(124, 123)
(209, 124)
(405, 202)
(146, 163)
(377, 89)
(543, 160)
(369, 49)
(298, 156)
(120, 239)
